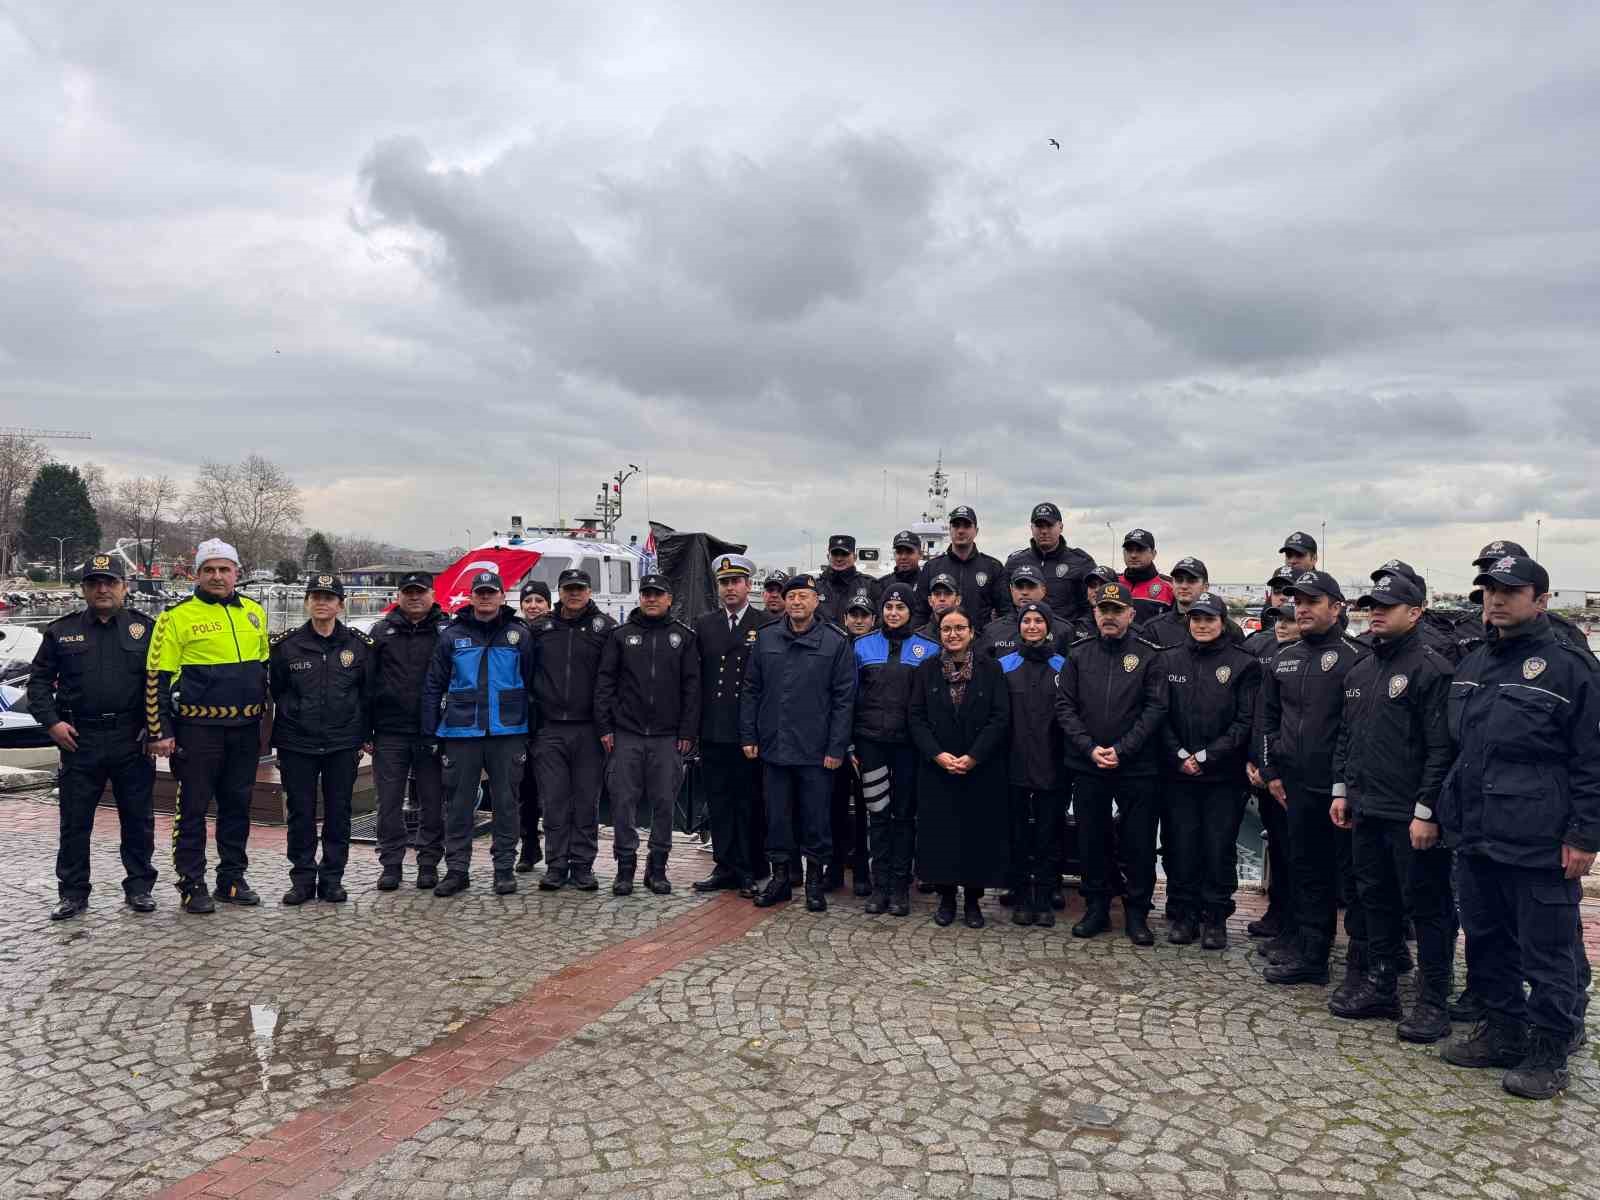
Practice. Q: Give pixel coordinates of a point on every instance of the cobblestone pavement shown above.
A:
(572, 1045)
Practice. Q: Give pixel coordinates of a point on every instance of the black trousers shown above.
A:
(798, 794)
(213, 762)
(1522, 923)
(571, 766)
(465, 762)
(732, 784)
(1036, 818)
(847, 819)
(1324, 872)
(1136, 798)
(892, 826)
(104, 756)
(1280, 868)
(304, 775)
(528, 810)
(1202, 834)
(1391, 879)
(396, 759)
(643, 773)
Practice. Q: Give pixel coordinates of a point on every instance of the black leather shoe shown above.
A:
(390, 879)
(553, 879)
(69, 907)
(721, 879)
(1096, 921)
(196, 899)
(1299, 968)
(1282, 948)
(427, 878)
(900, 901)
(237, 892)
(528, 859)
(505, 883)
(877, 903)
(623, 884)
(972, 914)
(747, 888)
(1137, 927)
(1269, 925)
(297, 895)
(1426, 1023)
(332, 891)
(141, 902)
(1490, 1044)
(1182, 932)
(778, 887)
(1214, 936)
(655, 875)
(1542, 1074)
(945, 914)
(1466, 1007)
(583, 879)
(1373, 997)
(816, 886)
(452, 883)
(1022, 914)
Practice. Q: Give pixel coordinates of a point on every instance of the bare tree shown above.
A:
(143, 507)
(20, 460)
(353, 551)
(253, 504)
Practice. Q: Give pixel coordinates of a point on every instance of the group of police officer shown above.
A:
(1430, 773)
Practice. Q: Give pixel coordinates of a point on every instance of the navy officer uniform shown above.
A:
(89, 674)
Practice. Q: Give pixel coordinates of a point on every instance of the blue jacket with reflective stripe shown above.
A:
(883, 683)
(1036, 742)
(480, 677)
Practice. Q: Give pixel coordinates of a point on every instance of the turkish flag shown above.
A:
(452, 587)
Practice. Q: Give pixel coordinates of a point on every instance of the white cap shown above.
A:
(215, 548)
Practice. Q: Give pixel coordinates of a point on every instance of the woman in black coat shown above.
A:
(959, 722)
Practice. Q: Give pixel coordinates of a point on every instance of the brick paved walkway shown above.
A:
(573, 1045)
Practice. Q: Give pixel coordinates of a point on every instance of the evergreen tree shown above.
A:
(58, 506)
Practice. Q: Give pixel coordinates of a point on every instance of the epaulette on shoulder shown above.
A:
(361, 633)
(1080, 636)
(839, 629)
(280, 636)
(1154, 645)
(684, 625)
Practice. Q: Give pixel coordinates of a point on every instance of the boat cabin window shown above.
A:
(619, 577)
(547, 570)
(591, 566)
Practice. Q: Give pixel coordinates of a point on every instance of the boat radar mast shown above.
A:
(933, 531)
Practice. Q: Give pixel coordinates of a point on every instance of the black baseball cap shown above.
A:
(416, 579)
(573, 577)
(1300, 543)
(1189, 565)
(1496, 550)
(1391, 587)
(1027, 573)
(1209, 602)
(1515, 570)
(842, 541)
(944, 580)
(486, 581)
(1315, 583)
(1395, 567)
(1114, 594)
(798, 581)
(963, 512)
(1278, 612)
(1103, 573)
(104, 566)
(774, 581)
(1046, 512)
(535, 587)
(860, 600)
(325, 583)
(1139, 537)
(655, 582)
(1281, 578)
(907, 540)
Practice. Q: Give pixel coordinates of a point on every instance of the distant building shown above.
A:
(1569, 599)
(379, 574)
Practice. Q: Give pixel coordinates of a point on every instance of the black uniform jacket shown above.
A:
(1211, 707)
(835, 589)
(724, 654)
(402, 649)
(321, 689)
(1524, 714)
(1113, 692)
(1171, 628)
(1036, 738)
(1064, 569)
(89, 670)
(1394, 749)
(569, 662)
(981, 580)
(1001, 636)
(1302, 703)
(649, 679)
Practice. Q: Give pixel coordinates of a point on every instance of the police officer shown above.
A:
(1211, 701)
(1037, 778)
(772, 593)
(647, 712)
(1278, 628)
(1276, 601)
(568, 761)
(475, 704)
(725, 638)
(980, 579)
(1001, 636)
(1061, 567)
(1433, 629)
(907, 560)
(941, 594)
(86, 691)
(1150, 590)
(402, 645)
(1190, 577)
(1302, 703)
(1299, 552)
(842, 580)
(794, 715)
(321, 680)
(847, 811)
(1471, 629)
(1111, 701)
(1388, 766)
(533, 605)
(205, 693)
(1521, 806)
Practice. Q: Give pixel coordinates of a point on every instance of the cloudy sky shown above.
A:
(1291, 264)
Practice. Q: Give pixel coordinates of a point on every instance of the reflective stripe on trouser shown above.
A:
(213, 762)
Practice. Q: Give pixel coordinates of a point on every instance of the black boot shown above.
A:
(530, 856)
(832, 880)
(816, 885)
(331, 891)
(1044, 913)
(1282, 948)
(1214, 933)
(1355, 974)
(945, 914)
(427, 878)
(1096, 920)
(1269, 925)
(505, 882)
(900, 900)
(1022, 909)
(627, 864)
(554, 878)
(972, 909)
(861, 875)
(1308, 964)
(453, 882)
(238, 891)
(655, 874)
(298, 894)
(389, 880)
(1542, 1074)
(879, 901)
(1182, 932)
(582, 878)
(1137, 926)
(1375, 995)
(1466, 1007)
(1427, 1022)
(778, 887)
(1492, 1043)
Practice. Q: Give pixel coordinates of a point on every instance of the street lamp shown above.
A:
(1112, 535)
(61, 556)
(809, 563)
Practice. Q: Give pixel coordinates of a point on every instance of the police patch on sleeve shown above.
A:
(1533, 668)
(917, 650)
(347, 658)
(513, 636)
(136, 630)
(674, 639)
(1224, 674)
(1155, 587)
(1330, 659)
(1397, 686)
(633, 639)
(1061, 570)
(1130, 662)
(598, 624)
(982, 578)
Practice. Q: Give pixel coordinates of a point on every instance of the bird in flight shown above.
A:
(1055, 143)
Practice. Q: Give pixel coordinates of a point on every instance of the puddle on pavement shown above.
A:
(252, 1047)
